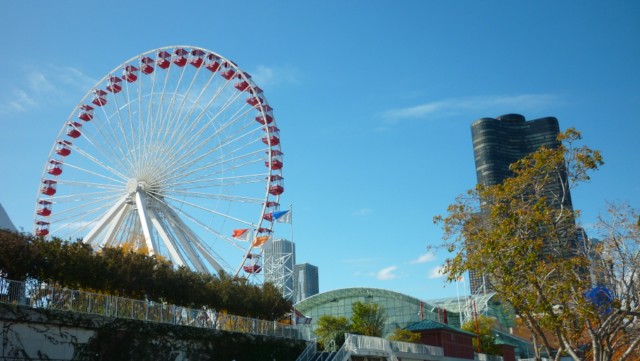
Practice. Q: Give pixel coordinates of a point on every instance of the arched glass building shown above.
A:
(401, 310)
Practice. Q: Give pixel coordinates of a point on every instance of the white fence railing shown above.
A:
(44, 296)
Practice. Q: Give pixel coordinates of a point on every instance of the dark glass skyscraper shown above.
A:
(499, 142)
(506, 139)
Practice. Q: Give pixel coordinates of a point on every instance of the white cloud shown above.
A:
(38, 82)
(362, 212)
(272, 76)
(436, 272)
(424, 258)
(42, 86)
(387, 273)
(472, 104)
(20, 102)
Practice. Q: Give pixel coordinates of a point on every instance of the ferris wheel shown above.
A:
(175, 152)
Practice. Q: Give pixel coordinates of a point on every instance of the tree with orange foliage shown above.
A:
(576, 298)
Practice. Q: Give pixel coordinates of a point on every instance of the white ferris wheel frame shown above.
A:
(154, 148)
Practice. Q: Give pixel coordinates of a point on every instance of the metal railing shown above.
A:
(44, 296)
(344, 350)
(309, 352)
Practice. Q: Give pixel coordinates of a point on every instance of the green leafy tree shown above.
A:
(405, 336)
(521, 234)
(483, 327)
(368, 319)
(126, 272)
(331, 330)
(17, 256)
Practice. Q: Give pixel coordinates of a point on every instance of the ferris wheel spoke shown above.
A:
(76, 223)
(162, 229)
(192, 124)
(74, 226)
(160, 121)
(193, 241)
(79, 208)
(166, 116)
(188, 143)
(229, 240)
(176, 118)
(211, 211)
(74, 196)
(120, 124)
(106, 153)
(96, 174)
(79, 214)
(208, 167)
(232, 119)
(202, 182)
(206, 170)
(115, 213)
(109, 135)
(187, 163)
(100, 163)
(126, 231)
(189, 152)
(124, 214)
(220, 197)
(184, 239)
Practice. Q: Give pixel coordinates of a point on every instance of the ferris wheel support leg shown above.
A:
(176, 257)
(104, 221)
(212, 261)
(141, 202)
(110, 236)
(184, 236)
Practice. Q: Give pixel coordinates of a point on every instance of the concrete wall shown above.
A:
(35, 334)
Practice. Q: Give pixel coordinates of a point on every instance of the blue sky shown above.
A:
(374, 100)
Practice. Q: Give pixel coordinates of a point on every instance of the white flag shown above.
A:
(282, 216)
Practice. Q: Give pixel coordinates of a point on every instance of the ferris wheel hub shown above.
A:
(134, 185)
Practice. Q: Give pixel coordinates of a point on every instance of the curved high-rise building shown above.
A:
(506, 139)
(499, 142)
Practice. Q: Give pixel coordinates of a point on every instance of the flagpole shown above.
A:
(293, 296)
(291, 223)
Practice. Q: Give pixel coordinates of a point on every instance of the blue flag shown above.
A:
(282, 216)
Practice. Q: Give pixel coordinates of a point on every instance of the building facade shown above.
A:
(279, 259)
(305, 281)
(499, 142)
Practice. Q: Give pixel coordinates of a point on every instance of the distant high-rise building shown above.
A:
(499, 142)
(305, 280)
(279, 259)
